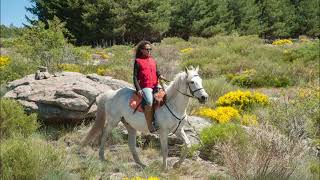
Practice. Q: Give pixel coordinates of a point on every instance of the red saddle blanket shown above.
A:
(136, 100)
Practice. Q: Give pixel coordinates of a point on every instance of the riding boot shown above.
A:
(148, 113)
(154, 124)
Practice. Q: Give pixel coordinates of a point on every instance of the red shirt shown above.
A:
(147, 74)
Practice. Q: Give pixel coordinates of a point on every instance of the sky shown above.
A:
(13, 12)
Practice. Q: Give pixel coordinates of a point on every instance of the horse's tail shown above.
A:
(98, 123)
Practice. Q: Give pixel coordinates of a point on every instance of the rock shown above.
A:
(65, 97)
(42, 73)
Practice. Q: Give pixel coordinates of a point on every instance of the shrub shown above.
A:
(220, 114)
(18, 67)
(249, 120)
(242, 99)
(243, 79)
(101, 71)
(269, 155)
(69, 67)
(43, 45)
(4, 61)
(186, 50)
(14, 121)
(47, 46)
(282, 42)
(296, 115)
(305, 52)
(29, 158)
(250, 78)
(218, 133)
(216, 88)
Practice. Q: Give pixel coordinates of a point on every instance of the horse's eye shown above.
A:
(192, 82)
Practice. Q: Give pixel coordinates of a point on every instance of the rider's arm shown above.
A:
(135, 76)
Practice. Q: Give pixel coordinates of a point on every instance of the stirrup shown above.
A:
(155, 128)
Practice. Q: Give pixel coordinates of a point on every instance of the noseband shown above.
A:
(191, 91)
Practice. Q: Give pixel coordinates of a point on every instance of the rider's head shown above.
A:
(143, 49)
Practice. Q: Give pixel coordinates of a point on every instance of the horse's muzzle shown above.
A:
(203, 99)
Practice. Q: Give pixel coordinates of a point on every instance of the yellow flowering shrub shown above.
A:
(249, 120)
(220, 114)
(103, 54)
(69, 67)
(101, 71)
(242, 99)
(282, 42)
(186, 50)
(4, 61)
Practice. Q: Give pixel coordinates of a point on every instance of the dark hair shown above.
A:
(140, 46)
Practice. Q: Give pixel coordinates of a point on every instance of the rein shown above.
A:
(180, 119)
(185, 94)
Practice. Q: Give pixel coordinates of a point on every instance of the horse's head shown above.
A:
(194, 85)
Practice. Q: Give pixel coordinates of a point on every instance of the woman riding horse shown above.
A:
(146, 79)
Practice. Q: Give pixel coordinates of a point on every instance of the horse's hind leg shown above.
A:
(132, 133)
(105, 134)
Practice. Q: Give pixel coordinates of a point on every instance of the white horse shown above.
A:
(114, 107)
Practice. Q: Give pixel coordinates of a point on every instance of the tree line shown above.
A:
(91, 22)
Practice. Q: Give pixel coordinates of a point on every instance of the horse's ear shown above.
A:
(197, 68)
(186, 70)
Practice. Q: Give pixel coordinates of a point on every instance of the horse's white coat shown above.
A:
(114, 107)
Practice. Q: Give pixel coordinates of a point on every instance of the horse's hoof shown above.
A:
(176, 165)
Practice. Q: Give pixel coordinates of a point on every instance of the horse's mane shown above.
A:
(171, 89)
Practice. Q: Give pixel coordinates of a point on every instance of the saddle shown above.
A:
(136, 100)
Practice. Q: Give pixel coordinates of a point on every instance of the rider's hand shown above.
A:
(161, 77)
(140, 92)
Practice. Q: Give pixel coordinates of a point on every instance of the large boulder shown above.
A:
(65, 97)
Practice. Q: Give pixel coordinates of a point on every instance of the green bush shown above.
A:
(305, 52)
(220, 133)
(14, 121)
(250, 78)
(18, 67)
(315, 169)
(46, 46)
(29, 158)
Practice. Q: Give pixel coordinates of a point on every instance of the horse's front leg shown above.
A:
(132, 134)
(164, 148)
(181, 134)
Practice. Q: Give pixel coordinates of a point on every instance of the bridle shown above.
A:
(191, 91)
(186, 94)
